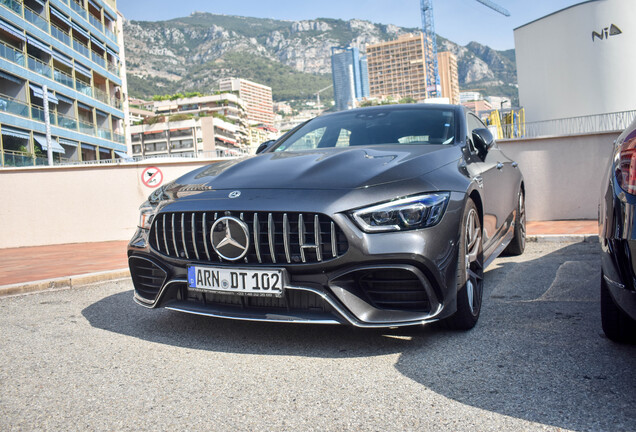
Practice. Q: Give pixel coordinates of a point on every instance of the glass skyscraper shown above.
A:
(350, 76)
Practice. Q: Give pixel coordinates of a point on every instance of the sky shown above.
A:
(461, 21)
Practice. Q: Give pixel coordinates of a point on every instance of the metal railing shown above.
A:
(110, 34)
(63, 78)
(13, 5)
(17, 159)
(86, 128)
(113, 68)
(115, 102)
(38, 66)
(36, 19)
(119, 138)
(61, 35)
(14, 106)
(78, 8)
(96, 22)
(104, 133)
(37, 113)
(83, 88)
(98, 59)
(67, 122)
(11, 54)
(100, 95)
(608, 122)
(80, 47)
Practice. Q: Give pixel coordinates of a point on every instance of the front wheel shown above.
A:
(470, 271)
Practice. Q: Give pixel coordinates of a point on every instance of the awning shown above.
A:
(59, 15)
(66, 99)
(68, 142)
(82, 69)
(12, 30)
(112, 52)
(88, 147)
(109, 16)
(16, 133)
(55, 146)
(153, 132)
(10, 77)
(80, 30)
(100, 113)
(97, 42)
(226, 140)
(39, 45)
(84, 106)
(180, 129)
(122, 155)
(95, 4)
(63, 59)
(41, 2)
(38, 93)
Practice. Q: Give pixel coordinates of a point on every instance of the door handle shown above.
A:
(500, 166)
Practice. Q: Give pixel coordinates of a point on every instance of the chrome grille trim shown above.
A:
(288, 238)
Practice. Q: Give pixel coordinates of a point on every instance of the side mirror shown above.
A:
(264, 146)
(483, 140)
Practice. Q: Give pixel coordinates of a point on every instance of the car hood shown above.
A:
(346, 168)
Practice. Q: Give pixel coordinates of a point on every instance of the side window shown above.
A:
(343, 138)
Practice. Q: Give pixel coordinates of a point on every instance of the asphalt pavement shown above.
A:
(88, 358)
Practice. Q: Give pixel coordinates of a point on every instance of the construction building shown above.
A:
(349, 71)
(68, 53)
(257, 98)
(397, 69)
(208, 126)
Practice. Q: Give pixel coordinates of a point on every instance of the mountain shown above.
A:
(292, 57)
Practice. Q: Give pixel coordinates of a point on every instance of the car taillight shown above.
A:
(625, 164)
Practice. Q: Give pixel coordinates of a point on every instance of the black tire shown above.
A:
(518, 243)
(470, 271)
(617, 325)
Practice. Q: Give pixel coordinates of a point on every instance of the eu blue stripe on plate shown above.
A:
(192, 279)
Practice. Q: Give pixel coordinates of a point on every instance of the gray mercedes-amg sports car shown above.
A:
(375, 217)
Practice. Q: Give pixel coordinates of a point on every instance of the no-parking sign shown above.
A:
(152, 177)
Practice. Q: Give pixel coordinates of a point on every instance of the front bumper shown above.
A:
(383, 280)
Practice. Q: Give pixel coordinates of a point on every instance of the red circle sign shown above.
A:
(152, 177)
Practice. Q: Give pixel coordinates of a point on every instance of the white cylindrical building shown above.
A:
(578, 61)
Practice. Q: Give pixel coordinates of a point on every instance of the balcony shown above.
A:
(104, 133)
(13, 106)
(115, 102)
(78, 8)
(86, 128)
(100, 95)
(83, 88)
(60, 35)
(11, 54)
(81, 48)
(17, 159)
(37, 113)
(36, 19)
(13, 5)
(39, 67)
(63, 78)
(109, 34)
(119, 138)
(98, 59)
(96, 22)
(113, 68)
(66, 122)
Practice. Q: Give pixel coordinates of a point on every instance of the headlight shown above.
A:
(414, 212)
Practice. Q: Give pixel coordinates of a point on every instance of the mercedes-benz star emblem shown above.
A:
(230, 238)
(234, 194)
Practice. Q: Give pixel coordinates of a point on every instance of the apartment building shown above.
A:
(257, 98)
(349, 71)
(74, 50)
(397, 69)
(206, 126)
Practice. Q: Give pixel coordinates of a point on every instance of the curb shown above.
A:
(563, 238)
(66, 282)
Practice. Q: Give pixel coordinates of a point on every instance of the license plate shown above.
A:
(240, 281)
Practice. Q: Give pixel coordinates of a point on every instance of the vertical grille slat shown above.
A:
(275, 237)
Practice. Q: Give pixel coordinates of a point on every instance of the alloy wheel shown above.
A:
(474, 262)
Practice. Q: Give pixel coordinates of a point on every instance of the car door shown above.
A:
(496, 175)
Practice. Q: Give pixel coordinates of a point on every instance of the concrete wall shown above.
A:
(57, 205)
(564, 71)
(563, 175)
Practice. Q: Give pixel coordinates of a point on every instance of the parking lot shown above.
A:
(89, 358)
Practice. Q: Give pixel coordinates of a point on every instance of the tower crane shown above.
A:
(318, 94)
(433, 87)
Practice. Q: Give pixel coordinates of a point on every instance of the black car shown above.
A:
(374, 217)
(618, 241)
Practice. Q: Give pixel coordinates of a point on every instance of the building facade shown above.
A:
(350, 74)
(257, 98)
(447, 66)
(577, 62)
(73, 49)
(202, 126)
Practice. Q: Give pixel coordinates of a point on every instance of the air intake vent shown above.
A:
(394, 289)
(148, 278)
(275, 238)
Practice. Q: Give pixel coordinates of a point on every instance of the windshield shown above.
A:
(374, 127)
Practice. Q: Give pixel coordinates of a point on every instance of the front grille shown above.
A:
(395, 289)
(148, 278)
(293, 301)
(275, 238)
